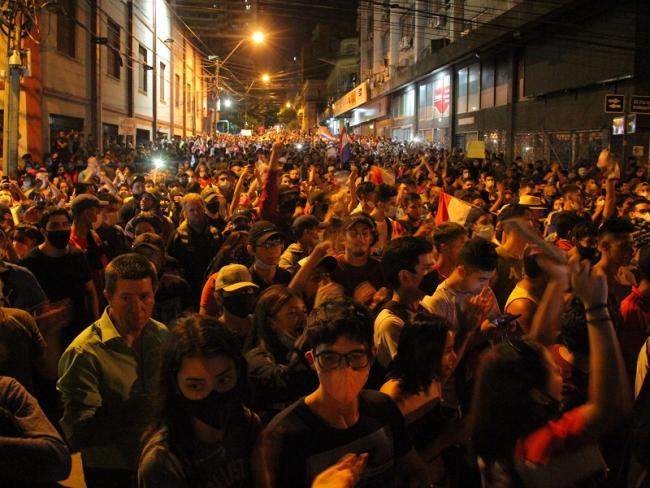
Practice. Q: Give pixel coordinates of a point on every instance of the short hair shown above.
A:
(51, 212)
(531, 267)
(419, 352)
(402, 253)
(446, 233)
(565, 222)
(512, 211)
(191, 197)
(384, 192)
(644, 262)
(410, 197)
(478, 254)
(365, 188)
(129, 266)
(584, 228)
(616, 226)
(340, 317)
(638, 201)
(150, 218)
(570, 188)
(30, 231)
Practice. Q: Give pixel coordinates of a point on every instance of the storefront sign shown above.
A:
(639, 104)
(351, 99)
(442, 95)
(127, 127)
(614, 103)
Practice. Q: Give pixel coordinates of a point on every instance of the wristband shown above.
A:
(596, 307)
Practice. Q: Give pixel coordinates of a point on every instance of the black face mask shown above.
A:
(59, 238)
(294, 181)
(241, 304)
(216, 409)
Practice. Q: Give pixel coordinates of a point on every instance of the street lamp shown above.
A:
(288, 104)
(257, 37)
(266, 78)
(227, 102)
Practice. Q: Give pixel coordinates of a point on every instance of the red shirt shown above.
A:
(633, 332)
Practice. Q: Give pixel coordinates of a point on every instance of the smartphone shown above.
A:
(504, 319)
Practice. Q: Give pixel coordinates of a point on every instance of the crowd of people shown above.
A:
(268, 311)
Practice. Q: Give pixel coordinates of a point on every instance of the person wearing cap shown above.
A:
(265, 244)
(85, 218)
(305, 232)
(112, 235)
(173, 295)
(150, 204)
(360, 275)
(196, 241)
(235, 291)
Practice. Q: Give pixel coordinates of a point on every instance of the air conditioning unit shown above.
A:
(406, 42)
(435, 21)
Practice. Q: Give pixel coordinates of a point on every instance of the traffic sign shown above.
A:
(614, 103)
(639, 104)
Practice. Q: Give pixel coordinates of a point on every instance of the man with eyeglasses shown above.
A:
(265, 244)
(360, 275)
(340, 418)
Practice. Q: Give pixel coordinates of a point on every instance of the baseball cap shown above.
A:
(262, 231)
(150, 240)
(233, 277)
(84, 202)
(305, 222)
(359, 218)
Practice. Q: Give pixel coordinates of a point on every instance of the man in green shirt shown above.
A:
(107, 375)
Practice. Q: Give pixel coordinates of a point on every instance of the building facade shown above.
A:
(98, 63)
(530, 79)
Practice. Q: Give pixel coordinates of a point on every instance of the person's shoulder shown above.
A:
(385, 318)
(290, 420)
(157, 460)
(158, 328)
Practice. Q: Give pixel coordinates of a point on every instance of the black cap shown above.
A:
(84, 202)
(262, 231)
(357, 218)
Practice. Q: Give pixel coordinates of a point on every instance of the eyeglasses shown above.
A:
(270, 244)
(330, 360)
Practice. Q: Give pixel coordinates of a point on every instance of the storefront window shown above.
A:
(487, 84)
(473, 87)
(425, 101)
(495, 141)
(461, 91)
(442, 95)
(501, 88)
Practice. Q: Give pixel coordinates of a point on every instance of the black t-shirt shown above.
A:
(221, 465)
(350, 277)
(281, 277)
(61, 278)
(173, 297)
(299, 445)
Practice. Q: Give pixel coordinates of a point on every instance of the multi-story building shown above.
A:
(528, 78)
(98, 63)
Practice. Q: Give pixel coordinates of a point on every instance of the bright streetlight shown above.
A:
(258, 37)
(266, 78)
(227, 102)
(288, 104)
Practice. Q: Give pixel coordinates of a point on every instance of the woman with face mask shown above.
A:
(279, 319)
(339, 417)
(203, 434)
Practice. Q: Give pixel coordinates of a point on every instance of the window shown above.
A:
(442, 95)
(113, 59)
(501, 85)
(161, 81)
(461, 91)
(403, 105)
(177, 90)
(188, 98)
(487, 84)
(473, 86)
(142, 72)
(425, 101)
(66, 27)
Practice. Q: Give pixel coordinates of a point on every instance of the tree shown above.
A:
(260, 112)
(289, 117)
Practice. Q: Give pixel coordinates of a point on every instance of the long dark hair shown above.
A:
(503, 410)
(193, 335)
(419, 353)
(269, 303)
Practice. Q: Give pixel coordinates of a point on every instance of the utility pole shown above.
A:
(12, 91)
(217, 106)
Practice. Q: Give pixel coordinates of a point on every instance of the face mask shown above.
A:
(294, 181)
(216, 409)
(485, 231)
(241, 304)
(344, 384)
(58, 238)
